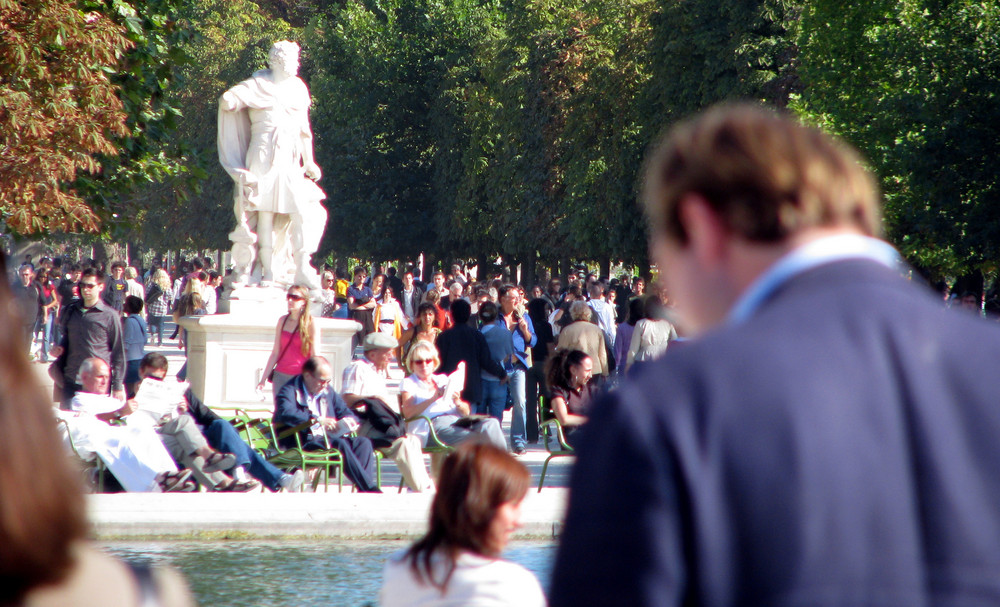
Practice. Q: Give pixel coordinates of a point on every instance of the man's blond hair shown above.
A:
(765, 174)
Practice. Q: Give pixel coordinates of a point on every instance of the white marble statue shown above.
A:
(265, 144)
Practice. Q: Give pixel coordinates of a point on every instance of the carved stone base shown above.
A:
(227, 353)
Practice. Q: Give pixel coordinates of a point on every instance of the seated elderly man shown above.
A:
(221, 435)
(365, 391)
(134, 454)
(177, 431)
(309, 398)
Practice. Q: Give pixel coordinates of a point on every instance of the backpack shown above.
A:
(153, 293)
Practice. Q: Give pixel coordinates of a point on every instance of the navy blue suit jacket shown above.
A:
(290, 408)
(840, 447)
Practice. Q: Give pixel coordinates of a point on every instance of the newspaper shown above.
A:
(159, 399)
(456, 383)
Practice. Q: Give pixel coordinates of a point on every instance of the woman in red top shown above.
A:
(296, 339)
(442, 317)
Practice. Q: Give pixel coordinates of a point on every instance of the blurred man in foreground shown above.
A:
(830, 436)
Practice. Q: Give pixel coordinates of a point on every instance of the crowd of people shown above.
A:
(826, 436)
(483, 336)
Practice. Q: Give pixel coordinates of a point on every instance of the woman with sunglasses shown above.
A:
(424, 393)
(296, 339)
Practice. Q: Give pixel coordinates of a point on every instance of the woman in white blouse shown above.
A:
(475, 511)
(425, 394)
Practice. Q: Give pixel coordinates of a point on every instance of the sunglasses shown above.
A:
(294, 297)
(423, 361)
(88, 285)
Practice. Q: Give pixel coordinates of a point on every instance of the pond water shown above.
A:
(265, 573)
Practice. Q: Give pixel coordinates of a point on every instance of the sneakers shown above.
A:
(292, 483)
(519, 450)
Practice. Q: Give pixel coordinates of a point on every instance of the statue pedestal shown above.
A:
(227, 354)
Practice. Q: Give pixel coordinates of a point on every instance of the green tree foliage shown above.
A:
(705, 52)
(382, 70)
(456, 128)
(58, 110)
(228, 41)
(148, 153)
(915, 84)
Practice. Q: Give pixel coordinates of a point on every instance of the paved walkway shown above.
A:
(324, 514)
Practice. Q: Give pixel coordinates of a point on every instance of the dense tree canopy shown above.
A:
(915, 84)
(513, 128)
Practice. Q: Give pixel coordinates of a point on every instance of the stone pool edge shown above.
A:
(210, 516)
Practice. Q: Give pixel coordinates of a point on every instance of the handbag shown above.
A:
(270, 376)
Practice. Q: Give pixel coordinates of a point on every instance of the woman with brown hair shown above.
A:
(476, 509)
(296, 339)
(442, 317)
(569, 374)
(44, 556)
(423, 329)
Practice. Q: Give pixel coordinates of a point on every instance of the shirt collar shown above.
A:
(806, 257)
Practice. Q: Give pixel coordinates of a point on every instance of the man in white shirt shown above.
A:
(133, 453)
(365, 379)
(604, 312)
(178, 433)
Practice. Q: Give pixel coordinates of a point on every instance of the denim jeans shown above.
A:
(494, 399)
(516, 385)
(45, 327)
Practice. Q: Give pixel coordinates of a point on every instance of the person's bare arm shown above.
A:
(273, 358)
(563, 415)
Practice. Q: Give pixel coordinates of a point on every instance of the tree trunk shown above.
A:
(605, 269)
(530, 277)
(644, 269)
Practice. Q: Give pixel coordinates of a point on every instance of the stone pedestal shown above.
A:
(227, 354)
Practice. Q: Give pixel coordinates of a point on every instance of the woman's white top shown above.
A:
(423, 392)
(478, 581)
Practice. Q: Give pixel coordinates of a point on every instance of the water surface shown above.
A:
(311, 573)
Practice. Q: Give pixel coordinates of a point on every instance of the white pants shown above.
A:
(134, 454)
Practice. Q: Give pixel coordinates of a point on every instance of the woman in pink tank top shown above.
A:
(296, 339)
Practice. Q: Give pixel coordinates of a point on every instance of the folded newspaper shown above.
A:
(456, 382)
(159, 399)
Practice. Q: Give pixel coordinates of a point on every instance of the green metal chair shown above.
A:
(551, 433)
(262, 435)
(326, 460)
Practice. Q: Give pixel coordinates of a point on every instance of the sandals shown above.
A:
(217, 462)
(175, 482)
(240, 487)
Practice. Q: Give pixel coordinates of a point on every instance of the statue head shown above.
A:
(284, 57)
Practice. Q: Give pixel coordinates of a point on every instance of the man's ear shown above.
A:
(708, 235)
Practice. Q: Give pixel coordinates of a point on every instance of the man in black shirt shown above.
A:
(116, 287)
(28, 298)
(90, 328)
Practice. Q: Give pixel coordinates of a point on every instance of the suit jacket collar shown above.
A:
(802, 259)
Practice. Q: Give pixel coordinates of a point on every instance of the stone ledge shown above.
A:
(343, 515)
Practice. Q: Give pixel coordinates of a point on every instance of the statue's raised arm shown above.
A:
(265, 144)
